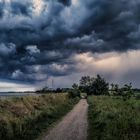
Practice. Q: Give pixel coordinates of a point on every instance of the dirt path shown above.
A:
(73, 126)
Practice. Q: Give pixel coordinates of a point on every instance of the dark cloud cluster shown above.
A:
(65, 2)
(39, 37)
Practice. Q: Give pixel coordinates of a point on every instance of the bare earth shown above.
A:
(73, 126)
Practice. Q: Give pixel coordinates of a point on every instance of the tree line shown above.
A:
(94, 86)
(99, 86)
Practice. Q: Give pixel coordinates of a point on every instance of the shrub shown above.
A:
(74, 92)
(127, 92)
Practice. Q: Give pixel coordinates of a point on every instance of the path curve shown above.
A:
(73, 126)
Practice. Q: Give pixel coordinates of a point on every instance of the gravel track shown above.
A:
(73, 126)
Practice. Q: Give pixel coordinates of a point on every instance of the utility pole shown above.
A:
(52, 83)
(46, 81)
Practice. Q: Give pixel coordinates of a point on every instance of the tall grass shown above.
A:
(111, 118)
(25, 118)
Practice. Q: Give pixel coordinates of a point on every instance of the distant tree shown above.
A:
(85, 83)
(127, 92)
(74, 91)
(112, 87)
(75, 86)
(115, 89)
(58, 90)
(43, 90)
(100, 86)
(91, 85)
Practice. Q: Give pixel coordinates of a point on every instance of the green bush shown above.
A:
(74, 91)
(127, 92)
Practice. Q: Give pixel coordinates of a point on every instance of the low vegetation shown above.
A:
(112, 118)
(26, 117)
(74, 91)
(126, 92)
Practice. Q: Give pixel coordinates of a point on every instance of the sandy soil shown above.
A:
(73, 126)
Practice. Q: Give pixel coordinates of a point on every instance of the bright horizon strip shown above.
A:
(15, 87)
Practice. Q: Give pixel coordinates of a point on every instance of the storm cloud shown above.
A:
(40, 38)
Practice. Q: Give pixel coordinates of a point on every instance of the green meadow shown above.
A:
(112, 118)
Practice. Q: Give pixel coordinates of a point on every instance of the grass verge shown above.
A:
(25, 118)
(111, 118)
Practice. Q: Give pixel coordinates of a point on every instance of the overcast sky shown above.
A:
(41, 40)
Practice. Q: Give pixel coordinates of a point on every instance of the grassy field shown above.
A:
(26, 117)
(111, 118)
